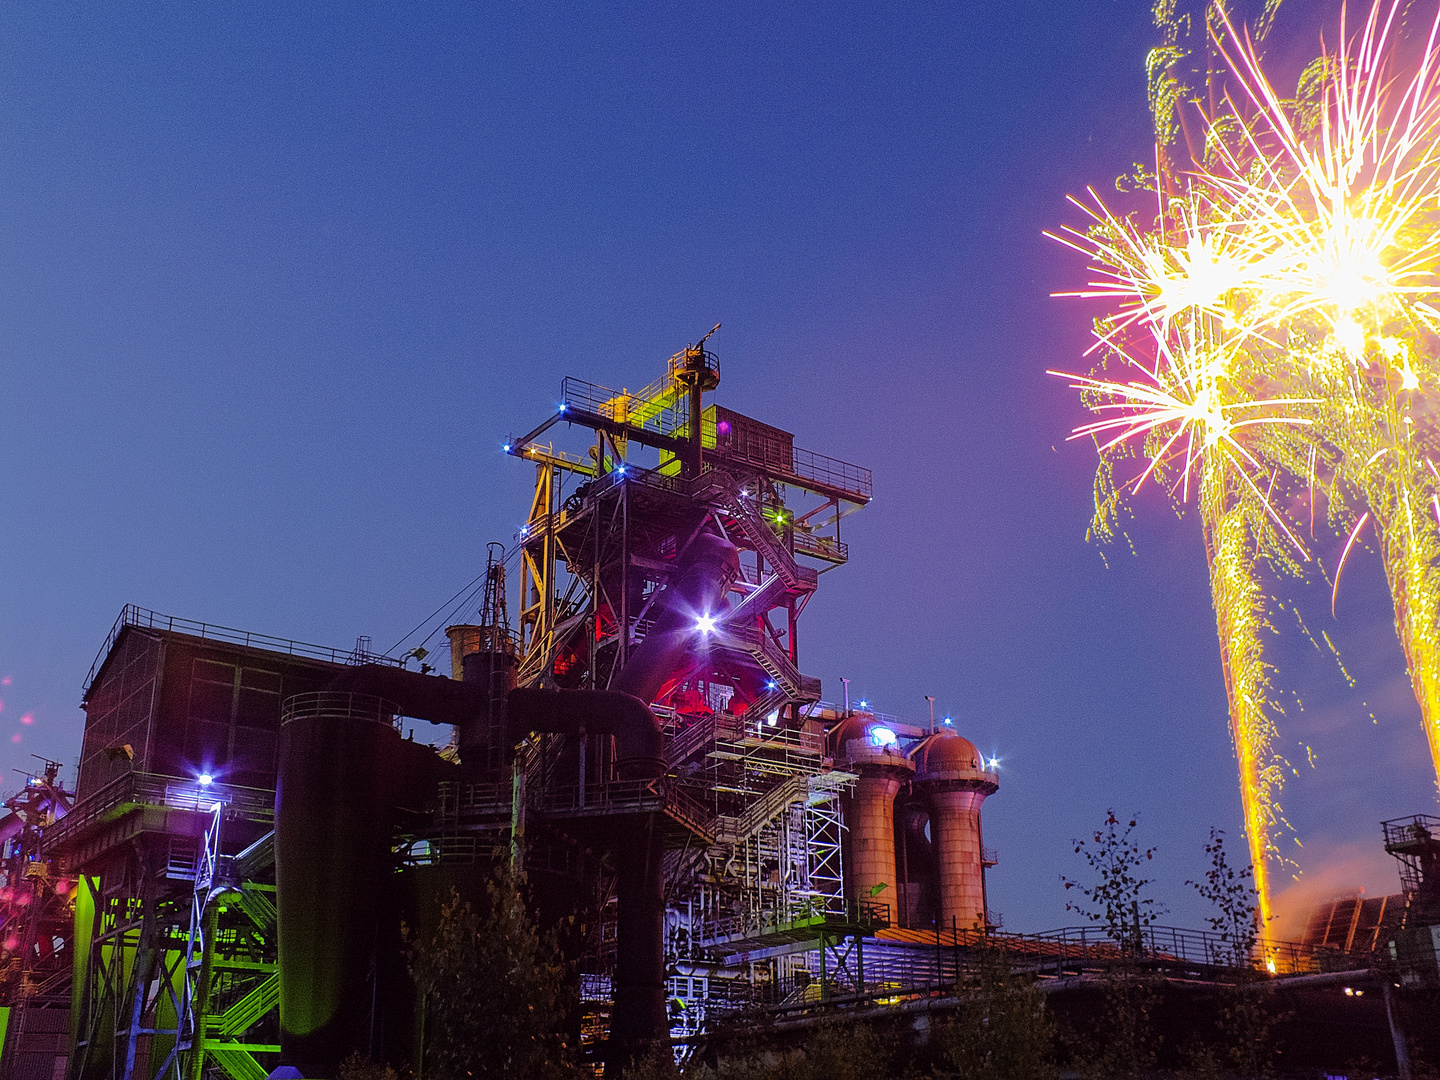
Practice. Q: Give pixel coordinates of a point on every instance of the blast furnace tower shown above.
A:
(254, 819)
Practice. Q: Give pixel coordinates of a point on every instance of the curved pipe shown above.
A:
(598, 712)
(708, 567)
(421, 697)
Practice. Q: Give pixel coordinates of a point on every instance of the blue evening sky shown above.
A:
(277, 280)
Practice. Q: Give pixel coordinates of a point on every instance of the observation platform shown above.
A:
(657, 418)
(138, 802)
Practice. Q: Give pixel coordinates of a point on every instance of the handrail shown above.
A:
(156, 789)
(670, 420)
(621, 796)
(347, 703)
(1156, 944)
(900, 964)
(133, 615)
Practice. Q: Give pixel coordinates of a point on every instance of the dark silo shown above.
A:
(333, 812)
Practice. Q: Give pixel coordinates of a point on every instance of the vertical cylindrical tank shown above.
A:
(485, 656)
(950, 775)
(333, 819)
(464, 640)
(866, 747)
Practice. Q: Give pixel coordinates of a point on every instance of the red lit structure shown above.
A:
(253, 821)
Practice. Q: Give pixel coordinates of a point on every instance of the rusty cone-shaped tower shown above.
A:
(863, 745)
(950, 775)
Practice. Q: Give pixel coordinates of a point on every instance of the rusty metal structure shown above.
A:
(254, 818)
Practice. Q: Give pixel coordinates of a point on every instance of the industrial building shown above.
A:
(253, 817)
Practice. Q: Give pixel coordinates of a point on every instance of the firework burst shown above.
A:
(1277, 311)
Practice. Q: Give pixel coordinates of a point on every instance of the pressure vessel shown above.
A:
(865, 746)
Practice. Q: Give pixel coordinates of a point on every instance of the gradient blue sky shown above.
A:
(276, 283)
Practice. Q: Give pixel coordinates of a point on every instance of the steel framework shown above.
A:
(758, 834)
(178, 939)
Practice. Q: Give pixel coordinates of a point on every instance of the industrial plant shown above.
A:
(625, 717)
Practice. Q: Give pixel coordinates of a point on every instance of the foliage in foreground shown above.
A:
(1004, 1033)
(496, 999)
(1244, 1043)
(356, 1067)
(832, 1051)
(494, 991)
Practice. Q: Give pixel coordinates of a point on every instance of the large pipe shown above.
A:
(10, 825)
(640, 745)
(422, 697)
(949, 773)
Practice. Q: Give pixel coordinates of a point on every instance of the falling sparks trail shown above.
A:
(1267, 330)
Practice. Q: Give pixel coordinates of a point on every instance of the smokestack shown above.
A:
(464, 641)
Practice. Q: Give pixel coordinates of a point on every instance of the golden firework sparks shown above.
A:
(1361, 231)
(1279, 311)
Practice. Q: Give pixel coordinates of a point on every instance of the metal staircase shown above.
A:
(246, 1013)
(760, 813)
(753, 642)
(210, 1026)
(687, 742)
(721, 487)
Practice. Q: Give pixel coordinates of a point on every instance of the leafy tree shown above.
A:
(1117, 899)
(1232, 894)
(1123, 1043)
(1004, 1032)
(495, 993)
(847, 1051)
(656, 1064)
(1243, 1043)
